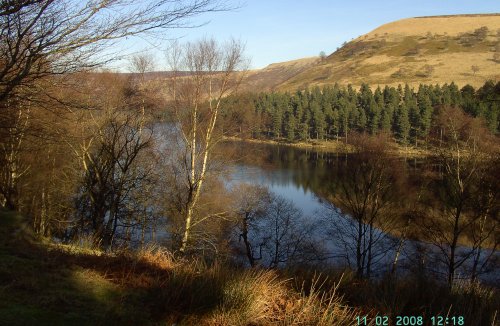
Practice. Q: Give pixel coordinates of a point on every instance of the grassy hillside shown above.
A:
(268, 78)
(427, 50)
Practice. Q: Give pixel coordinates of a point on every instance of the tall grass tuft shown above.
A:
(320, 304)
(260, 298)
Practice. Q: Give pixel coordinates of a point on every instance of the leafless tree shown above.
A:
(39, 38)
(475, 69)
(12, 167)
(251, 205)
(141, 64)
(47, 50)
(211, 74)
(362, 213)
(112, 179)
(287, 236)
(466, 193)
(273, 230)
(484, 232)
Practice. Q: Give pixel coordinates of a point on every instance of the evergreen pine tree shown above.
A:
(455, 95)
(290, 125)
(277, 117)
(361, 120)
(299, 113)
(413, 114)
(370, 116)
(426, 110)
(391, 102)
(329, 119)
(318, 120)
(436, 95)
(469, 101)
(344, 117)
(402, 124)
(305, 124)
(489, 99)
(335, 124)
(446, 95)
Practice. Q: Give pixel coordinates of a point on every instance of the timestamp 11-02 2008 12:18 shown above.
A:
(410, 320)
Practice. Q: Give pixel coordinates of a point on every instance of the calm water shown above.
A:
(280, 182)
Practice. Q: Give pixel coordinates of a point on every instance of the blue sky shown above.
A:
(279, 30)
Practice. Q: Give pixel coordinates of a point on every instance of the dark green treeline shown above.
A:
(333, 112)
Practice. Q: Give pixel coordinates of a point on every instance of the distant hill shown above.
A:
(464, 49)
(270, 77)
(265, 79)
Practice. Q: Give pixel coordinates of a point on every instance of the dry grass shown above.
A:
(372, 58)
(268, 78)
(334, 146)
(79, 285)
(219, 295)
(268, 301)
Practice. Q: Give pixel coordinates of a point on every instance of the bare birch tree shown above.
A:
(45, 45)
(274, 231)
(210, 72)
(288, 237)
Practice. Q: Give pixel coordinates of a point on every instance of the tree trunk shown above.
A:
(187, 228)
(248, 247)
(370, 243)
(400, 247)
(477, 256)
(358, 249)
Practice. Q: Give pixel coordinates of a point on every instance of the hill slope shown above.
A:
(268, 78)
(438, 49)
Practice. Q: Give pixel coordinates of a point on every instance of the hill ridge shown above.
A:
(459, 15)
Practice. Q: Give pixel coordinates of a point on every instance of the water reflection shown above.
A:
(281, 182)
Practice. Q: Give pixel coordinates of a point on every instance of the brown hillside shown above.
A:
(268, 78)
(437, 49)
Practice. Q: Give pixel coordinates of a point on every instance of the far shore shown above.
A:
(334, 146)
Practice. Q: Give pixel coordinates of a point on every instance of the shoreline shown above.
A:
(329, 146)
(332, 146)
